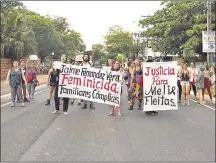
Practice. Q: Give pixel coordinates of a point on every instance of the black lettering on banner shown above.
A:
(155, 97)
(93, 74)
(90, 83)
(96, 94)
(74, 91)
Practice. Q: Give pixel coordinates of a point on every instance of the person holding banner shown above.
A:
(141, 83)
(86, 63)
(115, 67)
(65, 100)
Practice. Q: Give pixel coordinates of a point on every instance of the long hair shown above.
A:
(107, 62)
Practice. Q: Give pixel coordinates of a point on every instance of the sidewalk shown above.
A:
(5, 89)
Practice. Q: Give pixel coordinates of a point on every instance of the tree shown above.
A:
(98, 52)
(177, 27)
(60, 24)
(24, 33)
(16, 35)
(118, 41)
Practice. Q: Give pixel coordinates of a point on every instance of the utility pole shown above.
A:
(145, 42)
(209, 24)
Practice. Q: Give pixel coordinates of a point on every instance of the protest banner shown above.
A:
(90, 84)
(160, 86)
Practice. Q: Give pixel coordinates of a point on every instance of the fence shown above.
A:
(5, 66)
(7, 63)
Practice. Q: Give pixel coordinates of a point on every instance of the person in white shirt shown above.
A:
(87, 64)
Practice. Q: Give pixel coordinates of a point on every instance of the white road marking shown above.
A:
(204, 105)
(35, 94)
(39, 87)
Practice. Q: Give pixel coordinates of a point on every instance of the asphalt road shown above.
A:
(34, 134)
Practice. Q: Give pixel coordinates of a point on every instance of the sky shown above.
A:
(93, 18)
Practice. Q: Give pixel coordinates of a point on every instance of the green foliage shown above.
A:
(118, 41)
(99, 52)
(24, 33)
(177, 27)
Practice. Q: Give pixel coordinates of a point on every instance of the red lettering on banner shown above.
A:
(157, 81)
(159, 71)
(91, 83)
(71, 80)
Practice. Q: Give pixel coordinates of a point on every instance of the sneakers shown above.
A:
(119, 114)
(26, 100)
(12, 105)
(55, 111)
(111, 114)
(22, 105)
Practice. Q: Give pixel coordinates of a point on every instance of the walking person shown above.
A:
(137, 72)
(87, 64)
(116, 67)
(207, 82)
(141, 83)
(179, 72)
(185, 83)
(24, 86)
(14, 78)
(52, 76)
(193, 78)
(200, 84)
(32, 81)
(128, 76)
(213, 81)
(65, 100)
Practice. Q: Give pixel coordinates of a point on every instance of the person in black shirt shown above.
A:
(65, 100)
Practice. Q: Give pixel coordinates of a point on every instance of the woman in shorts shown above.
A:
(185, 83)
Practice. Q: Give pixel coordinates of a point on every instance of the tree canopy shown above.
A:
(177, 27)
(119, 41)
(24, 33)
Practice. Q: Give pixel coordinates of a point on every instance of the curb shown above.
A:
(37, 88)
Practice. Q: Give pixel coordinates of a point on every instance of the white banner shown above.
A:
(90, 84)
(208, 41)
(160, 86)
